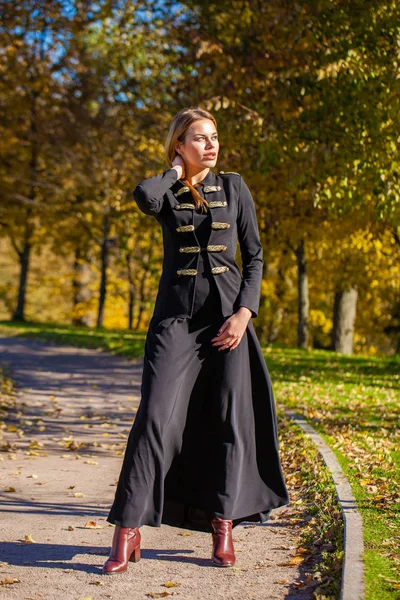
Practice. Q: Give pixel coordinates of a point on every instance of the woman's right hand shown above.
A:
(179, 165)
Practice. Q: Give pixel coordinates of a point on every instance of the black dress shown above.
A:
(204, 441)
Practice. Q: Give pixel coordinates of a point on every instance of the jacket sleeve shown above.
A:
(251, 250)
(149, 194)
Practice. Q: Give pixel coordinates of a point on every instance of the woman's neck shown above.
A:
(195, 176)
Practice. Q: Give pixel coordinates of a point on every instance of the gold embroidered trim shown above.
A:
(182, 190)
(228, 173)
(220, 225)
(211, 188)
(217, 204)
(189, 249)
(217, 248)
(217, 270)
(187, 272)
(185, 228)
(184, 205)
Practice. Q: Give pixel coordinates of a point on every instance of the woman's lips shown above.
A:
(213, 155)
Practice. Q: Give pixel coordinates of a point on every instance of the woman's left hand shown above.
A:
(233, 329)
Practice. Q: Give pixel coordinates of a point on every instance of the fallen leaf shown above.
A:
(28, 539)
(9, 581)
(296, 560)
(169, 584)
(70, 528)
(158, 594)
(184, 533)
(92, 525)
(282, 581)
(78, 495)
(10, 489)
(91, 462)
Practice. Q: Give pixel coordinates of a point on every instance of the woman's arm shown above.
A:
(149, 194)
(251, 251)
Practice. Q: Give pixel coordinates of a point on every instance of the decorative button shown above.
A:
(218, 270)
(189, 249)
(184, 205)
(220, 225)
(182, 190)
(183, 228)
(216, 248)
(187, 271)
(217, 204)
(211, 188)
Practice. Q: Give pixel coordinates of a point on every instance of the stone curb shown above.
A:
(352, 587)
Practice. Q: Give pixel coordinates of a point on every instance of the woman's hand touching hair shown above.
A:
(179, 165)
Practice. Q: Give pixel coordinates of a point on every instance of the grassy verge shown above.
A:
(314, 508)
(118, 341)
(354, 403)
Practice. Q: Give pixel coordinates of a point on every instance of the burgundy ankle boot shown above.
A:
(125, 548)
(223, 553)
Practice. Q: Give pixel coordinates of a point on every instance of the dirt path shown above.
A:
(62, 452)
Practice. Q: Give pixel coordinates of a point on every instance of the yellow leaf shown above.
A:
(78, 495)
(303, 551)
(282, 581)
(70, 528)
(91, 462)
(28, 539)
(169, 584)
(9, 581)
(92, 525)
(185, 533)
(10, 489)
(296, 560)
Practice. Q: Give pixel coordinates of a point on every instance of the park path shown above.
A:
(62, 452)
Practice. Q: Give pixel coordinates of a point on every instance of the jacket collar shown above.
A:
(210, 177)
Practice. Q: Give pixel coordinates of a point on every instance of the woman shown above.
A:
(203, 452)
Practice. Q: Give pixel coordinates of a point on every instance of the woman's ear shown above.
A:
(178, 148)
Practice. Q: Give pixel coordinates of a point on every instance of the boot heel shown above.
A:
(135, 556)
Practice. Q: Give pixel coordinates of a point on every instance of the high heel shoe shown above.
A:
(125, 548)
(223, 554)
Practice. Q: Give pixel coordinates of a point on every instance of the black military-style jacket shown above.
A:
(233, 219)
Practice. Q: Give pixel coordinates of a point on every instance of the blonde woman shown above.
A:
(202, 453)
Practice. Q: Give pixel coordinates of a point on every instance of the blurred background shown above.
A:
(306, 95)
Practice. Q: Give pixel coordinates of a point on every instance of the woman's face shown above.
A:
(200, 146)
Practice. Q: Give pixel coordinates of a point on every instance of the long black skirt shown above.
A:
(204, 441)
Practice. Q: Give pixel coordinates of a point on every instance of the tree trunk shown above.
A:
(344, 314)
(303, 300)
(132, 289)
(104, 265)
(279, 312)
(81, 292)
(24, 254)
(19, 313)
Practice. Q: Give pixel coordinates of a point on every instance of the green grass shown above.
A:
(354, 403)
(118, 341)
(352, 400)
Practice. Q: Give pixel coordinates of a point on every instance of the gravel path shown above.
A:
(62, 452)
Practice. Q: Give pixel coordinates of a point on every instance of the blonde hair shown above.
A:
(177, 131)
